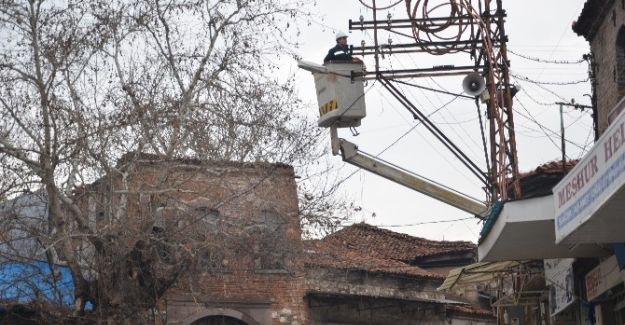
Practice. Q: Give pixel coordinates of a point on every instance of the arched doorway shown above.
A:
(218, 320)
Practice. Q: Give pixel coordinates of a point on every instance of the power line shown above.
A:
(434, 130)
(433, 89)
(544, 88)
(578, 107)
(458, 122)
(398, 139)
(553, 83)
(417, 124)
(542, 127)
(463, 139)
(423, 223)
(536, 100)
(382, 8)
(565, 31)
(575, 121)
(530, 58)
(587, 142)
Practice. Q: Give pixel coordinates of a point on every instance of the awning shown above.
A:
(525, 230)
(477, 273)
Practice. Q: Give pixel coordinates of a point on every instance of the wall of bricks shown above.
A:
(228, 205)
(604, 49)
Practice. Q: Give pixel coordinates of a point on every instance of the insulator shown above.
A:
(389, 16)
(362, 22)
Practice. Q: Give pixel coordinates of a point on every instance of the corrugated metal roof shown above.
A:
(476, 273)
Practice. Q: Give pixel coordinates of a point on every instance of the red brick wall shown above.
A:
(241, 280)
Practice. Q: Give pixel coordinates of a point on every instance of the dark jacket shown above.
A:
(338, 53)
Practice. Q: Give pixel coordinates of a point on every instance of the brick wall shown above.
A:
(604, 49)
(245, 219)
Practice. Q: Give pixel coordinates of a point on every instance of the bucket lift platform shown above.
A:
(341, 102)
(340, 93)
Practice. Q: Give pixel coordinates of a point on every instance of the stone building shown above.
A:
(366, 275)
(602, 24)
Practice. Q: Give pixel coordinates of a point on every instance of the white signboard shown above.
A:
(602, 278)
(593, 180)
(559, 278)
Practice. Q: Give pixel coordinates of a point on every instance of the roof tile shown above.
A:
(372, 249)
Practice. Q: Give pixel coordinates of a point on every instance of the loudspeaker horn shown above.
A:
(473, 84)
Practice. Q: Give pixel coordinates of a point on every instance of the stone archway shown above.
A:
(219, 316)
(219, 320)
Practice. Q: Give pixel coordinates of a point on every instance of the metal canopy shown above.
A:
(525, 230)
(478, 273)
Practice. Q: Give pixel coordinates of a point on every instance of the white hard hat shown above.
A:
(340, 34)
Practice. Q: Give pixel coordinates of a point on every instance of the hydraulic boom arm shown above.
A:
(352, 155)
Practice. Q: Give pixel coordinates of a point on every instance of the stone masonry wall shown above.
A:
(604, 50)
(357, 283)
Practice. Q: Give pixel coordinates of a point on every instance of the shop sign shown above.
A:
(602, 278)
(559, 278)
(592, 182)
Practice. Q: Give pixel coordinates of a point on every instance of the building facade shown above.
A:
(225, 235)
(577, 225)
(602, 24)
(220, 243)
(366, 275)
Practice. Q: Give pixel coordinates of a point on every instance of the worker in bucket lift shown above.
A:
(341, 52)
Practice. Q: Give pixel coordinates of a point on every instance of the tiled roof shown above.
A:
(392, 245)
(541, 180)
(552, 167)
(365, 247)
(333, 255)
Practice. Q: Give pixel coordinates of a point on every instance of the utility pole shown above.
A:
(480, 27)
(562, 136)
(592, 66)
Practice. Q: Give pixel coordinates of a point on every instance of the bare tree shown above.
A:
(84, 82)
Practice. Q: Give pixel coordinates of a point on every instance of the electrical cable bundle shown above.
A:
(434, 29)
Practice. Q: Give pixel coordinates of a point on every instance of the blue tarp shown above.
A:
(489, 221)
(25, 282)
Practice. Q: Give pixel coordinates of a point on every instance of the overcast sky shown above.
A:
(539, 29)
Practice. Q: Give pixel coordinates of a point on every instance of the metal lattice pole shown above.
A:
(486, 41)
